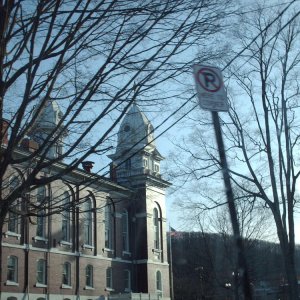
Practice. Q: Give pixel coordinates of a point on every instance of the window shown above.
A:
(125, 231)
(66, 218)
(66, 278)
(108, 226)
(41, 218)
(14, 218)
(88, 222)
(158, 284)
(127, 281)
(12, 269)
(89, 276)
(156, 229)
(41, 272)
(145, 163)
(128, 164)
(109, 278)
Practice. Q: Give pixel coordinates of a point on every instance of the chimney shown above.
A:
(87, 165)
(29, 145)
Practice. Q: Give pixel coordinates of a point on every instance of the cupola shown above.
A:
(45, 123)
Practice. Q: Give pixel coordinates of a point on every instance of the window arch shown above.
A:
(158, 284)
(127, 280)
(88, 222)
(12, 269)
(66, 218)
(41, 276)
(41, 218)
(109, 225)
(125, 231)
(13, 217)
(66, 275)
(109, 279)
(89, 276)
(156, 228)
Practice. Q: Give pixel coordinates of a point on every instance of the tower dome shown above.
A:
(136, 131)
(136, 153)
(46, 121)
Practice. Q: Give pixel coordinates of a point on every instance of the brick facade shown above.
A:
(92, 241)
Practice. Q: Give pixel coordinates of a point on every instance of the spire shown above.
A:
(136, 131)
(136, 153)
(46, 121)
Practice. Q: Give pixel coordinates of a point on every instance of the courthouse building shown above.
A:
(109, 240)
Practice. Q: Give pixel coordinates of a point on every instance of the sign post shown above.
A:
(212, 96)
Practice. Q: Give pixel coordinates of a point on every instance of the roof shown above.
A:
(49, 115)
(136, 131)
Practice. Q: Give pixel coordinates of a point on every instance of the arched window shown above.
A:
(66, 218)
(41, 218)
(128, 164)
(66, 275)
(12, 298)
(89, 281)
(109, 215)
(41, 276)
(12, 269)
(13, 217)
(88, 222)
(158, 284)
(127, 280)
(109, 280)
(125, 231)
(156, 228)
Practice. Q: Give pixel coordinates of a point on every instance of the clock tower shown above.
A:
(136, 164)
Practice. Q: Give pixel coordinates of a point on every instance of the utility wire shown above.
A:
(189, 111)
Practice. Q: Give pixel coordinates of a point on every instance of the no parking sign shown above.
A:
(210, 88)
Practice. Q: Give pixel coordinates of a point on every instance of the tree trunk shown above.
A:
(288, 254)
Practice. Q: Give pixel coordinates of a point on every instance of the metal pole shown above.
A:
(242, 265)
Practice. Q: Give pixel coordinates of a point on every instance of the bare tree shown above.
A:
(261, 131)
(94, 58)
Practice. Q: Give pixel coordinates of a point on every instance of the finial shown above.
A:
(135, 90)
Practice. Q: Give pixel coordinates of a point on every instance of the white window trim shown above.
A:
(40, 285)
(86, 246)
(11, 233)
(40, 238)
(126, 253)
(65, 243)
(66, 286)
(11, 283)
